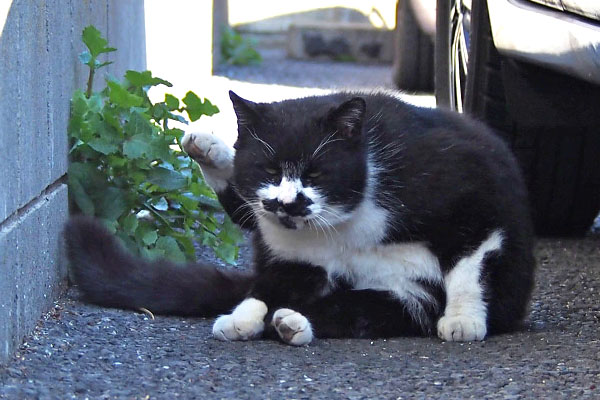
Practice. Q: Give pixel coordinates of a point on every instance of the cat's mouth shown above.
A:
(288, 222)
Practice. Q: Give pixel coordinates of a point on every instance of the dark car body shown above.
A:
(530, 69)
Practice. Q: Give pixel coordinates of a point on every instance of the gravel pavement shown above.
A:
(81, 351)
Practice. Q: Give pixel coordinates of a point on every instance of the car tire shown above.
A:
(557, 146)
(413, 56)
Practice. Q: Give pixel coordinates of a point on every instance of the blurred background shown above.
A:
(530, 69)
(269, 50)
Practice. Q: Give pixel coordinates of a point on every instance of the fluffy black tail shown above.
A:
(110, 276)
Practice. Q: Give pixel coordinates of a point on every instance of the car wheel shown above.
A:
(557, 154)
(413, 57)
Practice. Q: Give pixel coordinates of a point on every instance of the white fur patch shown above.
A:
(213, 155)
(246, 322)
(286, 192)
(292, 327)
(466, 312)
(352, 249)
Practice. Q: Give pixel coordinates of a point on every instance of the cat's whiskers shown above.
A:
(253, 205)
(324, 142)
(243, 206)
(319, 222)
(267, 145)
(336, 215)
(326, 225)
(314, 223)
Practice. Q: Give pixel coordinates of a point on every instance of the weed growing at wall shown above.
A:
(238, 50)
(128, 168)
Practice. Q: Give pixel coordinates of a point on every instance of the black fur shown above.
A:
(446, 180)
(109, 276)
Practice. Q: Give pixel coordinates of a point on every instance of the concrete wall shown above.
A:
(39, 69)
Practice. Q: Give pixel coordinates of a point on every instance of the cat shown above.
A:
(371, 218)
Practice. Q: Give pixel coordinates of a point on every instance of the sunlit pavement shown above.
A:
(278, 78)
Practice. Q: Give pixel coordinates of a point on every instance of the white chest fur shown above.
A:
(354, 250)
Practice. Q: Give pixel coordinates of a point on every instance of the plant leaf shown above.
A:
(130, 224)
(227, 252)
(136, 147)
(85, 57)
(138, 125)
(172, 102)
(103, 145)
(110, 203)
(196, 108)
(120, 96)
(167, 179)
(95, 42)
(161, 204)
(149, 238)
(83, 201)
(145, 78)
(171, 248)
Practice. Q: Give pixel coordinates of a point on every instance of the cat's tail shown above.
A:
(110, 276)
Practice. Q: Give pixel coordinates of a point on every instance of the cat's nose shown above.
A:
(271, 205)
(298, 207)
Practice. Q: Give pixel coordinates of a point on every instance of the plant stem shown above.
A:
(90, 82)
(157, 215)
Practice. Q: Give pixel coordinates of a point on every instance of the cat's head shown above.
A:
(301, 163)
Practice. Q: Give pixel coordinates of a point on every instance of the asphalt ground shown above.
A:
(82, 351)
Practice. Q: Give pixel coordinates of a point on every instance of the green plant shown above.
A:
(128, 168)
(238, 50)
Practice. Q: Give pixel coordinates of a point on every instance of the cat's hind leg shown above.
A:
(465, 316)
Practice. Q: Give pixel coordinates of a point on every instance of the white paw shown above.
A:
(461, 328)
(293, 328)
(246, 322)
(208, 150)
(213, 155)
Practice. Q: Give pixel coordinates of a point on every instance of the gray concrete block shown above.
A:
(31, 273)
(129, 39)
(343, 42)
(39, 44)
(9, 114)
(220, 22)
(62, 57)
(32, 133)
(78, 11)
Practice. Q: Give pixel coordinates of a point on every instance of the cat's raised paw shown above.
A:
(461, 328)
(208, 150)
(213, 155)
(246, 322)
(292, 327)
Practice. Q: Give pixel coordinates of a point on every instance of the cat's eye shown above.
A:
(271, 171)
(314, 174)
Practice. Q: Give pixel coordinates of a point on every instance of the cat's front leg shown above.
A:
(246, 322)
(216, 160)
(292, 327)
(213, 155)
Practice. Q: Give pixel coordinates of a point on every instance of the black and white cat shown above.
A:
(371, 218)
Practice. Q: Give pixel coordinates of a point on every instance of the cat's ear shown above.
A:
(244, 109)
(348, 117)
